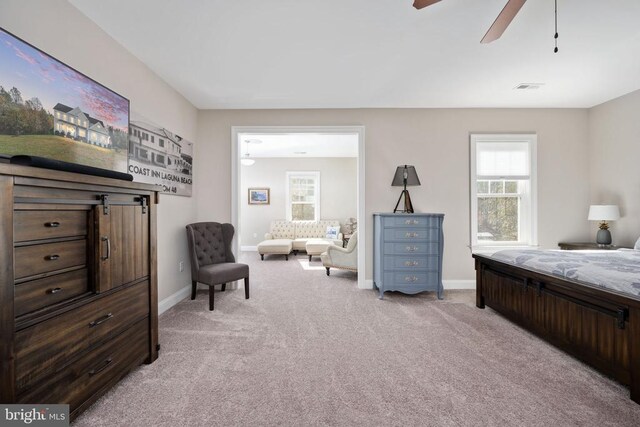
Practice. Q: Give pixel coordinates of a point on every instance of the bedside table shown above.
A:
(572, 246)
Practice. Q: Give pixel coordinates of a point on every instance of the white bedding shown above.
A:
(616, 270)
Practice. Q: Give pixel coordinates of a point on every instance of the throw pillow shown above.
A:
(332, 232)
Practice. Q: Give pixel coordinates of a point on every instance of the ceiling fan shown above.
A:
(498, 27)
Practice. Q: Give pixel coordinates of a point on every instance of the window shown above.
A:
(161, 142)
(503, 190)
(153, 139)
(303, 196)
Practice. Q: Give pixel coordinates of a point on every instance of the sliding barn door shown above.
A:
(122, 237)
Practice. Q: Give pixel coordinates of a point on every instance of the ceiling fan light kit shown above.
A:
(502, 21)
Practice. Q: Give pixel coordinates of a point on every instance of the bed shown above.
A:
(585, 302)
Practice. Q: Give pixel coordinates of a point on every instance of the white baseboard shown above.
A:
(173, 299)
(249, 248)
(459, 284)
(368, 284)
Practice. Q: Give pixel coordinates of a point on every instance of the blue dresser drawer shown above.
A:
(411, 248)
(411, 278)
(411, 234)
(409, 262)
(413, 222)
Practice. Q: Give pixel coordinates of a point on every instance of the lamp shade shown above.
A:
(405, 171)
(604, 213)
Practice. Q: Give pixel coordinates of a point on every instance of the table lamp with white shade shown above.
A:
(604, 213)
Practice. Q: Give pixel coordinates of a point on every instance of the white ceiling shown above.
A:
(299, 145)
(379, 53)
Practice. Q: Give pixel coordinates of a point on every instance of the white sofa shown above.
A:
(296, 234)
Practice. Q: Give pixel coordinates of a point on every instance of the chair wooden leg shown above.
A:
(327, 270)
(246, 288)
(262, 257)
(309, 258)
(224, 287)
(194, 286)
(211, 297)
(286, 257)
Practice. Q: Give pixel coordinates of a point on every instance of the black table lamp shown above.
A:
(405, 175)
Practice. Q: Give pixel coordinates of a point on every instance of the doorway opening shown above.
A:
(302, 174)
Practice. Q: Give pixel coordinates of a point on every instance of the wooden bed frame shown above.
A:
(598, 326)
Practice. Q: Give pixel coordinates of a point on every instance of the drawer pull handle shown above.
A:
(102, 367)
(412, 221)
(106, 239)
(52, 257)
(412, 248)
(411, 235)
(411, 263)
(410, 279)
(52, 224)
(101, 320)
(54, 290)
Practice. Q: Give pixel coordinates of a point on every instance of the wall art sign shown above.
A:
(159, 156)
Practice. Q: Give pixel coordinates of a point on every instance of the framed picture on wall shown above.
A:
(258, 196)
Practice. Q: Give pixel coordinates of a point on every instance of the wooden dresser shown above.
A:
(78, 284)
(407, 252)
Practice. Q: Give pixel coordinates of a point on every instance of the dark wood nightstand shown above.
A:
(585, 245)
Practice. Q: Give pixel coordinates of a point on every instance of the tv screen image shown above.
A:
(48, 109)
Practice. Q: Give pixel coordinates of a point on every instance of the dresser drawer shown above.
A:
(36, 225)
(411, 234)
(400, 262)
(43, 348)
(37, 259)
(413, 222)
(411, 248)
(394, 279)
(35, 294)
(78, 381)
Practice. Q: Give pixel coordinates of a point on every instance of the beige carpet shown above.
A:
(308, 349)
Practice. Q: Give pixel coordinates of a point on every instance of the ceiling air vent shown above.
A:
(529, 86)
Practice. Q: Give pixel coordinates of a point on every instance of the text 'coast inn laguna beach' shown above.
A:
(74, 123)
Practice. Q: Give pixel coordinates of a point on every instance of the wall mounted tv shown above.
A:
(48, 109)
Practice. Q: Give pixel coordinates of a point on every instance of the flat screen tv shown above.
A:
(48, 109)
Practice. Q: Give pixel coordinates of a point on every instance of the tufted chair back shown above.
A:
(209, 243)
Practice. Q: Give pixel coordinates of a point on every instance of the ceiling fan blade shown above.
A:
(419, 4)
(503, 20)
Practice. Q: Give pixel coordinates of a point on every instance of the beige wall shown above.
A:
(436, 141)
(59, 29)
(338, 197)
(614, 161)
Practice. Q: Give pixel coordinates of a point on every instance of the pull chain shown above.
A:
(556, 35)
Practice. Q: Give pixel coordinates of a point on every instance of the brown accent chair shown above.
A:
(212, 262)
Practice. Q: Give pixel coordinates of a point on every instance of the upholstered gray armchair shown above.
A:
(212, 262)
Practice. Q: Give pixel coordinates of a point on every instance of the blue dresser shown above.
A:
(407, 252)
